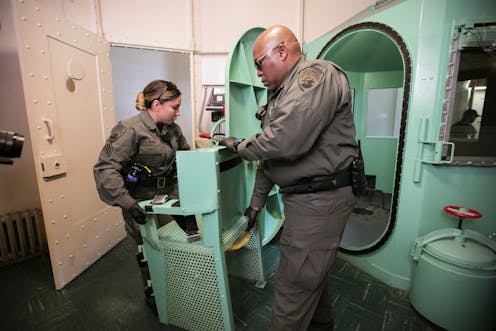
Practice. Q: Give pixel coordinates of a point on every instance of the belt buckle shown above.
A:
(161, 182)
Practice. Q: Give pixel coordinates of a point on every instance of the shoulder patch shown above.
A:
(108, 148)
(309, 77)
(117, 132)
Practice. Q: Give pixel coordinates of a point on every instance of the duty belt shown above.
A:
(319, 183)
(158, 181)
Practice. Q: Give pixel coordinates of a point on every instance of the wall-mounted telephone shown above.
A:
(215, 103)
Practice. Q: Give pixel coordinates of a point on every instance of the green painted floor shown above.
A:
(108, 296)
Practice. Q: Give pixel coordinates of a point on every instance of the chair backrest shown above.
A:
(211, 179)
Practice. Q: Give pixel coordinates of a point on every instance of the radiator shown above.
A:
(22, 236)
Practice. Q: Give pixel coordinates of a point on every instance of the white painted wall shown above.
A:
(153, 23)
(219, 23)
(207, 29)
(133, 69)
(321, 16)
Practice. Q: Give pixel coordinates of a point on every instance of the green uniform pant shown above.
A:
(313, 226)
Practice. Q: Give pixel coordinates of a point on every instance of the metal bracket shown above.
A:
(53, 165)
(430, 151)
(416, 251)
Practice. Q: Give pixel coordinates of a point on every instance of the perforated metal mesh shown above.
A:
(193, 296)
(193, 300)
(247, 261)
(232, 233)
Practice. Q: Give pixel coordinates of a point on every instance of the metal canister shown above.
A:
(453, 280)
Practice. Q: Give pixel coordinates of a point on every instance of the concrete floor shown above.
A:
(108, 296)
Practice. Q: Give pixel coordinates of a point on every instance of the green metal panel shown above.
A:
(354, 53)
(190, 280)
(197, 180)
(244, 90)
(245, 94)
(426, 28)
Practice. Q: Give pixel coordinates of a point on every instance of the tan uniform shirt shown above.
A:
(137, 140)
(308, 129)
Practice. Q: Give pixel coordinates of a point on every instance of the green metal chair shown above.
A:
(190, 280)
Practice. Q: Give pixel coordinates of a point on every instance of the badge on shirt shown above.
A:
(309, 77)
(108, 148)
(116, 133)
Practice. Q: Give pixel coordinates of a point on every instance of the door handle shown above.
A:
(49, 124)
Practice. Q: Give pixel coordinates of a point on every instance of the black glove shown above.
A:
(252, 217)
(231, 143)
(138, 213)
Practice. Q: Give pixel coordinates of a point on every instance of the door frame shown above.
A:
(405, 54)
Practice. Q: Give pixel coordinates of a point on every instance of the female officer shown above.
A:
(137, 162)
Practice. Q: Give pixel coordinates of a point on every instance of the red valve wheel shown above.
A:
(462, 212)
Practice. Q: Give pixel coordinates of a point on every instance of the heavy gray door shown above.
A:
(67, 82)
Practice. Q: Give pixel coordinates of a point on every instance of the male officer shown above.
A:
(306, 147)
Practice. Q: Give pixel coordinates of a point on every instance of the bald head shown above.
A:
(276, 50)
(275, 35)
